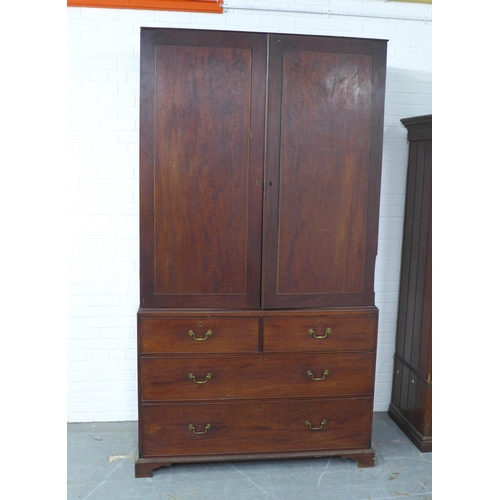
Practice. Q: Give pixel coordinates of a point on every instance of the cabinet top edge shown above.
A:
(145, 29)
(419, 128)
(417, 121)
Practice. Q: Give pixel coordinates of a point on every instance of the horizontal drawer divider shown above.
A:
(201, 400)
(168, 354)
(271, 399)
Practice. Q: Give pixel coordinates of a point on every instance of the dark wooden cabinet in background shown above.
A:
(260, 158)
(411, 402)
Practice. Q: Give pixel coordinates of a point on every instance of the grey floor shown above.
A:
(101, 466)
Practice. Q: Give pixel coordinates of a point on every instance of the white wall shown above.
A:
(103, 107)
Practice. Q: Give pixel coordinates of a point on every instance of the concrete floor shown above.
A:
(101, 467)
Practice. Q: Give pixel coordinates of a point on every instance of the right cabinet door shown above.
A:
(322, 178)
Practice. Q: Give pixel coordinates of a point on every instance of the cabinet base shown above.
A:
(423, 443)
(144, 467)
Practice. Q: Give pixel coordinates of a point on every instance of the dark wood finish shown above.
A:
(259, 197)
(145, 467)
(322, 171)
(411, 402)
(256, 427)
(202, 113)
(347, 332)
(172, 335)
(363, 458)
(213, 6)
(334, 312)
(265, 376)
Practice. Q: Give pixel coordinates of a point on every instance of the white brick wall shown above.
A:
(103, 109)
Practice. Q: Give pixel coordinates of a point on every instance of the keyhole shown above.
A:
(200, 323)
(320, 322)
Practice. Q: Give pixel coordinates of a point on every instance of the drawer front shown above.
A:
(198, 335)
(254, 427)
(315, 333)
(247, 377)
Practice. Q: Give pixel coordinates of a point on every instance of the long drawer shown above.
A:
(320, 333)
(253, 427)
(198, 335)
(265, 376)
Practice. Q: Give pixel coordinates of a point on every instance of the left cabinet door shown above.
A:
(201, 167)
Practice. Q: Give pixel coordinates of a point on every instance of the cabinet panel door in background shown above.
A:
(202, 119)
(322, 170)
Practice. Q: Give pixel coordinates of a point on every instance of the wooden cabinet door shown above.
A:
(322, 179)
(201, 168)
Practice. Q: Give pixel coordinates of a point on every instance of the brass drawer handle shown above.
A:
(207, 378)
(308, 424)
(313, 333)
(310, 374)
(192, 428)
(192, 335)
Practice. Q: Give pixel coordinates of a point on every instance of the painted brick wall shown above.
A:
(103, 110)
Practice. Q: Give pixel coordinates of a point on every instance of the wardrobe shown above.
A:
(260, 159)
(411, 400)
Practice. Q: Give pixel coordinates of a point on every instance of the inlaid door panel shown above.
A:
(201, 200)
(321, 208)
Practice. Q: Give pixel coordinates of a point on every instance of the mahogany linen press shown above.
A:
(260, 160)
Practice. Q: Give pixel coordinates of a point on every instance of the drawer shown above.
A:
(320, 333)
(254, 427)
(248, 377)
(198, 335)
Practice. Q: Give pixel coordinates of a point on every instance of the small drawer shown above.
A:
(255, 427)
(257, 376)
(198, 335)
(320, 333)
